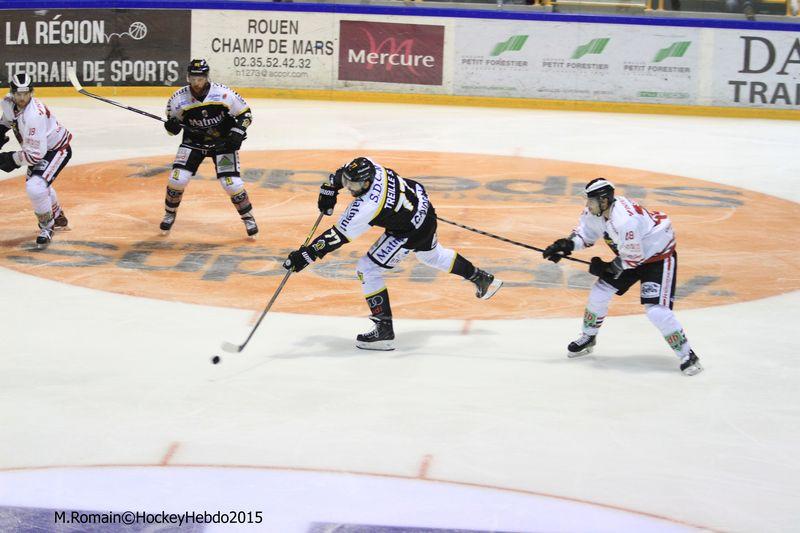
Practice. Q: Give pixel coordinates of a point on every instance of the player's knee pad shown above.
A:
(36, 188)
(667, 323)
(597, 306)
(38, 193)
(601, 293)
(179, 179)
(370, 275)
(661, 316)
(233, 185)
(440, 258)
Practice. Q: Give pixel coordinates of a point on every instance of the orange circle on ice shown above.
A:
(733, 244)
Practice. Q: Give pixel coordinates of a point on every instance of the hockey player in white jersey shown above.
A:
(644, 243)
(400, 206)
(217, 118)
(44, 149)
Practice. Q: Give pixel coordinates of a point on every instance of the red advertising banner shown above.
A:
(391, 53)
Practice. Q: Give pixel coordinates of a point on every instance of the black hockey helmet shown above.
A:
(198, 67)
(21, 83)
(357, 175)
(596, 190)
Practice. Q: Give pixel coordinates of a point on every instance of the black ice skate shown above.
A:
(690, 365)
(250, 225)
(167, 222)
(582, 346)
(380, 338)
(485, 284)
(60, 223)
(44, 238)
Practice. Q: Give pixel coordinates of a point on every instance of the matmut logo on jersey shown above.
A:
(391, 53)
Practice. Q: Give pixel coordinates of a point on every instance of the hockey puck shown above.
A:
(216, 359)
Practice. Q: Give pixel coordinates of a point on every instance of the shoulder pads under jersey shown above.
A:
(180, 93)
(224, 87)
(225, 90)
(622, 215)
(41, 110)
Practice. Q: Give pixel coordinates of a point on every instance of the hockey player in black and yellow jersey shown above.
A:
(400, 206)
(214, 119)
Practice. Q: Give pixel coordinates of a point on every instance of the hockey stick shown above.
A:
(234, 348)
(73, 78)
(499, 238)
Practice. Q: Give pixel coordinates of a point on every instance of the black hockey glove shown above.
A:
(335, 179)
(327, 198)
(233, 141)
(600, 268)
(558, 250)
(7, 163)
(173, 126)
(3, 139)
(300, 258)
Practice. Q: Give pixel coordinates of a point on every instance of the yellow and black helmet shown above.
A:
(198, 67)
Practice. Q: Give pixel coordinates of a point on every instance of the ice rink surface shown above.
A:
(108, 401)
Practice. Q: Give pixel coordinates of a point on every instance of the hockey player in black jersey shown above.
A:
(402, 207)
(215, 119)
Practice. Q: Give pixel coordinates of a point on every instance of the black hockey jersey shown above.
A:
(399, 205)
(220, 110)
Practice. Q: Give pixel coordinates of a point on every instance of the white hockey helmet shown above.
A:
(597, 190)
(599, 187)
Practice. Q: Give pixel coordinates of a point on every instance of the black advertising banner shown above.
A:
(105, 46)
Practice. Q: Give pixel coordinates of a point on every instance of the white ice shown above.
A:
(90, 378)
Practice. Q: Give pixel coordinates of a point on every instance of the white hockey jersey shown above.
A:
(635, 234)
(36, 129)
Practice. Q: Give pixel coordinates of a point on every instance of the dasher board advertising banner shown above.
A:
(266, 48)
(756, 69)
(576, 61)
(391, 52)
(394, 54)
(104, 46)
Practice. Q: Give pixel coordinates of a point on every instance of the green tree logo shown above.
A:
(595, 46)
(513, 44)
(673, 50)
